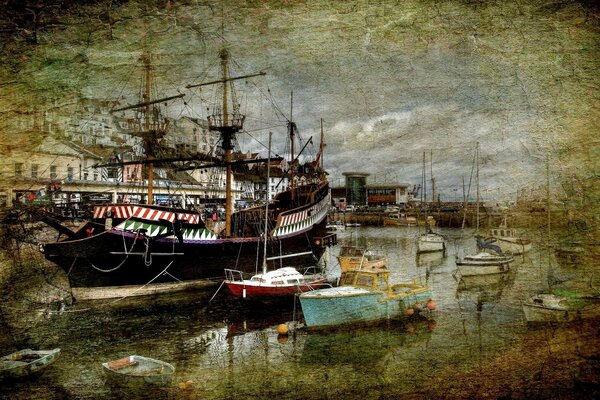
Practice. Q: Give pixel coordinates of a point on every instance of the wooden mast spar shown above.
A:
(227, 125)
(153, 129)
(149, 155)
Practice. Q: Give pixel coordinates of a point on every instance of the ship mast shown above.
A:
(477, 183)
(149, 155)
(292, 127)
(227, 125)
(227, 144)
(266, 233)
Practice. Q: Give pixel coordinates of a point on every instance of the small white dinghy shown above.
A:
(26, 363)
(561, 306)
(138, 371)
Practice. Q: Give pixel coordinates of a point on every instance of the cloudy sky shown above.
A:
(390, 79)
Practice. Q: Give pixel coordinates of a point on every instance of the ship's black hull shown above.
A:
(102, 260)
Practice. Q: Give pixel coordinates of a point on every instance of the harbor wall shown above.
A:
(454, 219)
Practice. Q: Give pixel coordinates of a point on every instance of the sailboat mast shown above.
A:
(477, 182)
(149, 153)
(292, 133)
(548, 193)
(264, 265)
(424, 180)
(321, 144)
(432, 178)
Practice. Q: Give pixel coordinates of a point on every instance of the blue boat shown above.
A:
(364, 296)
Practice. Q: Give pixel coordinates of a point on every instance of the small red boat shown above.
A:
(280, 282)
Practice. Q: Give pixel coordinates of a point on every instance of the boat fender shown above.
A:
(318, 242)
(410, 312)
(282, 329)
(431, 305)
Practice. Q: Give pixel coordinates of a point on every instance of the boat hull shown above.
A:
(93, 262)
(427, 244)
(146, 245)
(369, 307)
(513, 245)
(482, 269)
(139, 373)
(399, 222)
(535, 313)
(246, 290)
(26, 363)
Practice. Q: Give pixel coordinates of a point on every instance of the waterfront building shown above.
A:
(379, 194)
(356, 187)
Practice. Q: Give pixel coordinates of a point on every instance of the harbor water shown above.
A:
(476, 344)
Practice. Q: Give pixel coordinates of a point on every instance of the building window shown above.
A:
(70, 173)
(18, 169)
(34, 171)
(53, 172)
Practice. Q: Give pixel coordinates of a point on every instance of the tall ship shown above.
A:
(147, 248)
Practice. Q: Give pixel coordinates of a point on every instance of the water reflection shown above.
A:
(366, 347)
(430, 260)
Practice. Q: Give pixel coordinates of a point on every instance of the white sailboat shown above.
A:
(509, 240)
(490, 259)
(429, 241)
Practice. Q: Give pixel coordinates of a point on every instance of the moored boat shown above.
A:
(561, 306)
(509, 240)
(352, 257)
(400, 219)
(26, 363)
(431, 241)
(277, 283)
(364, 296)
(335, 226)
(483, 263)
(138, 371)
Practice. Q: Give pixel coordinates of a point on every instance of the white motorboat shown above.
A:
(335, 226)
(483, 263)
(430, 242)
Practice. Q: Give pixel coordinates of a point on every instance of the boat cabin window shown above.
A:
(382, 282)
(277, 282)
(292, 281)
(365, 280)
(347, 279)
(257, 279)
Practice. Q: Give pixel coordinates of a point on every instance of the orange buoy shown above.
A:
(431, 305)
(410, 311)
(282, 329)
